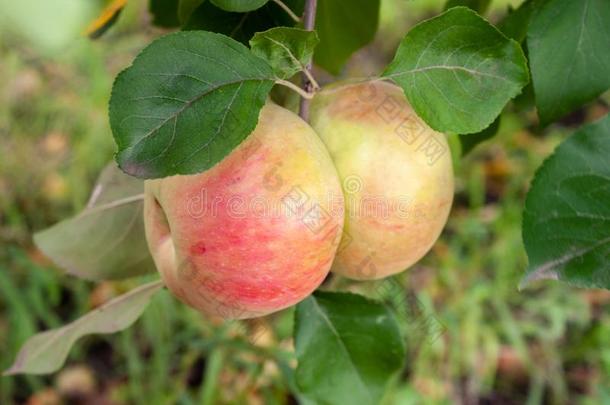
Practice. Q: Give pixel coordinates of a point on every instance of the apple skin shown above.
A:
(396, 173)
(239, 240)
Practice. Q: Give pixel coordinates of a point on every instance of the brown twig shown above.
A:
(309, 21)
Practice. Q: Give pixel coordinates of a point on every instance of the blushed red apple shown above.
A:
(257, 232)
(396, 173)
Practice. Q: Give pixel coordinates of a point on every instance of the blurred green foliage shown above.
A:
(547, 344)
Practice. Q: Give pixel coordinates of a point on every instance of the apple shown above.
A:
(396, 174)
(257, 232)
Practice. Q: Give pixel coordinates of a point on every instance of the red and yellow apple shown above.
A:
(396, 174)
(257, 232)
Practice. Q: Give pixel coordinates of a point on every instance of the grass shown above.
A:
(547, 344)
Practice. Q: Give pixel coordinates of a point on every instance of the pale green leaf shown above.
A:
(106, 240)
(287, 50)
(46, 352)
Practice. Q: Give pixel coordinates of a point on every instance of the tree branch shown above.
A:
(309, 22)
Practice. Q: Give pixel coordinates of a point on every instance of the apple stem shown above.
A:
(309, 22)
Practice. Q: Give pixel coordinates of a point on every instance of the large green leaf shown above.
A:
(106, 240)
(458, 71)
(242, 26)
(186, 102)
(343, 28)
(287, 50)
(239, 6)
(566, 223)
(569, 51)
(347, 347)
(46, 352)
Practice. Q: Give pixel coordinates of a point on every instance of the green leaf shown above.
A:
(286, 49)
(164, 12)
(239, 6)
(186, 9)
(516, 23)
(469, 142)
(106, 240)
(480, 6)
(343, 29)
(185, 103)
(46, 352)
(566, 223)
(242, 26)
(458, 71)
(347, 348)
(569, 55)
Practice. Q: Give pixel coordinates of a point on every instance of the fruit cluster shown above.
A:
(364, 192)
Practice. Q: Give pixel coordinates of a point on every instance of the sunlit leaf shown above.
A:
(458, 71)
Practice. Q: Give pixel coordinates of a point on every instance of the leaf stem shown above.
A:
(294, 87)
(287, 10)
(309, 22)
(113, 204)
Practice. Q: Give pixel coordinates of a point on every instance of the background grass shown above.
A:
(473, 338)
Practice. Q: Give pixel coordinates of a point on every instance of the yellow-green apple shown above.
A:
(257, 232)
(396, 174)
